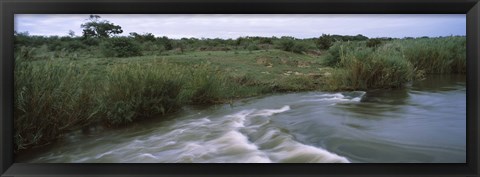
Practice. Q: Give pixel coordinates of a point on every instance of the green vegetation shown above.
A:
(120, 47)
(51, 98)
(67, 83)
(99, 28)
(440, 56)
(324, 42)
(365, 68)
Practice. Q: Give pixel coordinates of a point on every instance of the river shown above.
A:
(423, 123)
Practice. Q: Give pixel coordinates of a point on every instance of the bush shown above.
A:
(91, 41)
(55, 45)
(252, 47)
(291, 45)
(74, 46)
(120, 47)
(299, 47)
(374, 43)
(165, 42)
(286, 45)
(324, 42)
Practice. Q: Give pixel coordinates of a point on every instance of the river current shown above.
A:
(422, 123)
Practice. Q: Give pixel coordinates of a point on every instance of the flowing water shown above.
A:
(425, 122)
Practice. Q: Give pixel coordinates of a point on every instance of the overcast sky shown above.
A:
(233, 26)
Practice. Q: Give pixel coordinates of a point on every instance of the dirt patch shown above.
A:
(265, 62)
(303, 64)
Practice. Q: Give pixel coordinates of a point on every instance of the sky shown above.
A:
(235, 25)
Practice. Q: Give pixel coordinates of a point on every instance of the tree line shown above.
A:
(99, 33)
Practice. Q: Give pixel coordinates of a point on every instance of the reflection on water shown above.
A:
(425, 122)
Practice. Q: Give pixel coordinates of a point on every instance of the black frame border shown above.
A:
(10, 7)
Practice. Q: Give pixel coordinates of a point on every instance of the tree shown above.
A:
(99, 28)
(71, 33)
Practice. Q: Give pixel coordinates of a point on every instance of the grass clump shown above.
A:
(438, 55)
(333, 56)
(372, 65)
(136, 92)
(207, 85)
(50, 99)
(364, 68)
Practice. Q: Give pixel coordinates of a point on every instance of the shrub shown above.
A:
(74, 46)
(91, 41)
(299, 47)
(120, 47)
(286, 45)
(165, 42)
(374, 43)
(324, 42)
(291, 45)
(252, 47)
(55, 45)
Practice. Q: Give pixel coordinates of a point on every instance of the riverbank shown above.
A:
(57, 95)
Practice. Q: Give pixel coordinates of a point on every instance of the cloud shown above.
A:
(234, 25)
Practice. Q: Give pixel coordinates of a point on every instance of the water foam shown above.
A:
(355, 96)
(281, 147)
(238, 119)
(228, 147)
(270, 112)
(278, 145)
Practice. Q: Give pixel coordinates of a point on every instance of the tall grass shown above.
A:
(136, 91)
(364, 68)
(393, 64)
(332, 58)
(208, 84)
(437, 55)
(50, 99)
